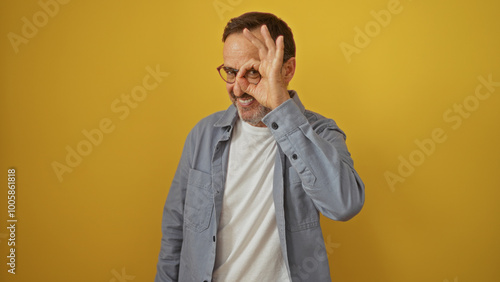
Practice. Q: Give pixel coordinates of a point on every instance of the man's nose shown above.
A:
(237, 90)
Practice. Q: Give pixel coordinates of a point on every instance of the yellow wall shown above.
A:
(423, 140)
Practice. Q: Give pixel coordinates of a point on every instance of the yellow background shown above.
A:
(103, 219)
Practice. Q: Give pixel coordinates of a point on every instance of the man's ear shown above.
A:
(288, 70)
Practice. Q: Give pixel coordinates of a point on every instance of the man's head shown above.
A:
(254, 20)
(238, 50)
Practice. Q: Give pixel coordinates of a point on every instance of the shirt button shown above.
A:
(274, 125)
(294, 156)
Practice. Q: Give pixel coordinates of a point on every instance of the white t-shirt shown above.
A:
(248, 246)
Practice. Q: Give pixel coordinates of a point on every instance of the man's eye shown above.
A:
(253, 73)
(230, 72)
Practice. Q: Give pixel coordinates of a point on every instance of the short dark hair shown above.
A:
(276, 26)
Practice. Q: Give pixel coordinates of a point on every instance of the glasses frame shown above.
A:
(235, 71)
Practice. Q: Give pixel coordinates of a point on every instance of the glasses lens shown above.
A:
(253, 76)
(228, 74)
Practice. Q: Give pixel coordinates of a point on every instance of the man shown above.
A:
(245, 200)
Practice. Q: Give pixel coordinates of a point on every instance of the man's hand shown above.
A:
(271, 90)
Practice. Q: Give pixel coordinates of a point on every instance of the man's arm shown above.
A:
(320, 156)
(172, 222)
(321, 159)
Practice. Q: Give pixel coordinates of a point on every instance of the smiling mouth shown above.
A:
(244, 100)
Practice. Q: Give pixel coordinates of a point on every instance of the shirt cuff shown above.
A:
(285, 119)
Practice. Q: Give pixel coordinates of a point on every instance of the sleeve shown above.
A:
(173, 221)
(320, 156)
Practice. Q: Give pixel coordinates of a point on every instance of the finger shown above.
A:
(268, 39)
(250, 64)
(280, 49)
(256, 42)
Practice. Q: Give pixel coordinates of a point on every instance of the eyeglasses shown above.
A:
(229, 74)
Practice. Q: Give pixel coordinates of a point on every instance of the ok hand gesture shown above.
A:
(271, 90)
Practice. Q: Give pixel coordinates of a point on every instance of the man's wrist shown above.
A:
(283, 98)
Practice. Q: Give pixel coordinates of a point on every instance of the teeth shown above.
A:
(246, 101)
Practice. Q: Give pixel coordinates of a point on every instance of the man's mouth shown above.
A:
(244, 100)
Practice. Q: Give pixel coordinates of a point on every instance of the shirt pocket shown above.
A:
(199, 201)
(300, 212)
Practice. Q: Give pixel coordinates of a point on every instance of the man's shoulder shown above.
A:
(211, 123)
(320, 122)
(211, 120)
(315, 119)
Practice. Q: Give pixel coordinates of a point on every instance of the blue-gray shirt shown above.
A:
(313, 173)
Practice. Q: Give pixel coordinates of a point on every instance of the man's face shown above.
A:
(237, 51)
